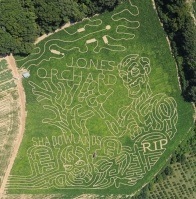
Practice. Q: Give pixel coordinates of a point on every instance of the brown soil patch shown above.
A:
(22, 118)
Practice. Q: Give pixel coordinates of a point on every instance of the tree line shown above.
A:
(22, 21)
(181, 30)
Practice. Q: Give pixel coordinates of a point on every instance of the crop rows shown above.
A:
(181, 184)
(8, 115)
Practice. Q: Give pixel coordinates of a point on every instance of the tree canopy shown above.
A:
(22, 21)
(18, 29)
(181, 30)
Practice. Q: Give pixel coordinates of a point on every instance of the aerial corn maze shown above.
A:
(104, 109)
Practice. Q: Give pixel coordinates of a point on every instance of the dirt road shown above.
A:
(22, 118)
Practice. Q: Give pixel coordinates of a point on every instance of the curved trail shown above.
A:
(47, 35)
(22, 118)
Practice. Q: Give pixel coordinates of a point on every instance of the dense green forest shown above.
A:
(181, 30)
(22, 21)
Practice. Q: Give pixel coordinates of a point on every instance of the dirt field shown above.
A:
(12, 121)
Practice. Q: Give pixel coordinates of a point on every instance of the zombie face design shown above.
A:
(134, 71)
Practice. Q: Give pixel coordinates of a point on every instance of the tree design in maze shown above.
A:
(73, 97)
